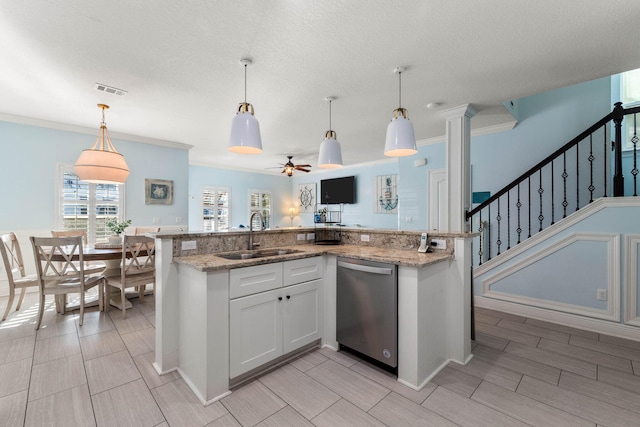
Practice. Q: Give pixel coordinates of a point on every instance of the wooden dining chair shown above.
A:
(14, 267)
(60, 274)
(137, 267)
(90, 267)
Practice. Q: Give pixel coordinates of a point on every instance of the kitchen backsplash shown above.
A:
(207, 243)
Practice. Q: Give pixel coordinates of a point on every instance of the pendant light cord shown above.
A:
(330, 114)
(399, 89)
(245, 83)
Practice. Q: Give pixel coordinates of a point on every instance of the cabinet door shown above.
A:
(302, 270)
(255, 331)
(302, 318)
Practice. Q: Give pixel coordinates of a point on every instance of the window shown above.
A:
(84, 206)
(260, 201)
(216, 210)
(630, 96)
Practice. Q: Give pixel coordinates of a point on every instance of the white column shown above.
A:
(458, 164)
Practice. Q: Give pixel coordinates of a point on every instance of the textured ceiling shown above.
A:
(179, 62)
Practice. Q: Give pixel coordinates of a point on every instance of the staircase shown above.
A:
(590, 166)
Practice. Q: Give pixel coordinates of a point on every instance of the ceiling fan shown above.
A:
(289, 167)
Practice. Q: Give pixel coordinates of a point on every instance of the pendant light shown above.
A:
(401, 140)
(330, 156)
(245, 129)
(102, 163)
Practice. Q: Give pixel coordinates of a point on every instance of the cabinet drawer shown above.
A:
(251, 280)
(302, 270)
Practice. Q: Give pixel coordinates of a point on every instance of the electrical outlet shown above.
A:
(178, 220)
(408, 220)
(439, 243)
(311, 236)
(189, 245)
(300, 236)
(156, 220)
(601, 294)
(364, 237)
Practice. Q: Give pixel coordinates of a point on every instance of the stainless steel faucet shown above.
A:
(251, 244)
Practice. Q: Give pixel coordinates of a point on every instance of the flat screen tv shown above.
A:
(338, 190)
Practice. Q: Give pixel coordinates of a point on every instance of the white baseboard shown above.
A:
(567, 319)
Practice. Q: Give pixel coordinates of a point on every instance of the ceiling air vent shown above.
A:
(110, 89)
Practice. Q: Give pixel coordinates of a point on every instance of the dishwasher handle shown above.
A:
(365, 268)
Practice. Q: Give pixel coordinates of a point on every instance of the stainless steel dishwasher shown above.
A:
(367, 309)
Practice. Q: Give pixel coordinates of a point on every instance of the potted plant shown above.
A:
(117, 227)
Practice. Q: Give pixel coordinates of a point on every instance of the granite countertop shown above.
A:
(411, 258)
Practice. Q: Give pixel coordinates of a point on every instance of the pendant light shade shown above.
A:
(401, 140)
(245, 129)
(330, 156)
(102, 163)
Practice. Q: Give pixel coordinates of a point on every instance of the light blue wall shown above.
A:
(414, 185)
(31, 156)
(360, 213)
(547, 121)
(240, 182)
(578, 271)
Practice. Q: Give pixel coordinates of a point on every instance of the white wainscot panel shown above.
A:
(632, 275)
(566, 276)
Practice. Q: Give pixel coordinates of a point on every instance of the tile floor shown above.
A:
(525, 372)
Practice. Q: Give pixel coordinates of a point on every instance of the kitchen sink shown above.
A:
(257, 254)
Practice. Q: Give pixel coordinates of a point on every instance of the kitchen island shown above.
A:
(195, 294)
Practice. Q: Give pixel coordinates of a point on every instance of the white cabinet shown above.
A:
(302, 319)
(266, 325)
(255, 331)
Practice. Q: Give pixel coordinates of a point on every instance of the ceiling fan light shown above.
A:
(330, 156)
(245, 132)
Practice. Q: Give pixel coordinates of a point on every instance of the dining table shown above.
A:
(111, 255)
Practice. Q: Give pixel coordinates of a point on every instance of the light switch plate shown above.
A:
(439, 243)
(300, 236)
(364, 237)
(189, 245)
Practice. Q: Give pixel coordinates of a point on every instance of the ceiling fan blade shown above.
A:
(303, 170)
(303, 166)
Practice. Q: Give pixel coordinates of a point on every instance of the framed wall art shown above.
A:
(158, 192)
(386, 194)
(307, 197)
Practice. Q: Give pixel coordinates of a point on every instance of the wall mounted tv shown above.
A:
(338, 190)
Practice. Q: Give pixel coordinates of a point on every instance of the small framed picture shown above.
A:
(158, 192)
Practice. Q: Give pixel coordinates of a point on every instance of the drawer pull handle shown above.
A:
(279, 298)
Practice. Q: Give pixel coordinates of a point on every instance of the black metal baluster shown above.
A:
(564, 185)
(605, 162)
(489, 243)
(553, 198)
(529, 181)
(519, 205)
(540, 191)
(577, 177)
(634, 171)
(508, 219)
(591, 159)
(481, 231)
(498, 218)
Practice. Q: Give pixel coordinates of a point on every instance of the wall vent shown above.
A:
(110, 89)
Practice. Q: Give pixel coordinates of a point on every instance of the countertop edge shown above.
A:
(410, 258)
